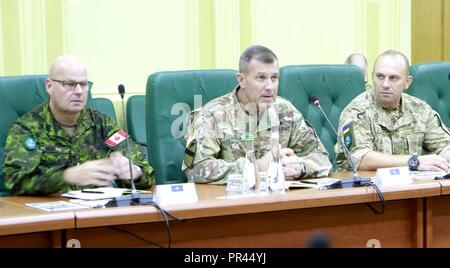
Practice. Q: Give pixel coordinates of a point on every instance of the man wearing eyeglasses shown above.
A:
(60, 145)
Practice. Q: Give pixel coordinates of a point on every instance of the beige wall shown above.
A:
(125, 41)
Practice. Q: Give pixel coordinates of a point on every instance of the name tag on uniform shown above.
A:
(174, 194)
(393, 176)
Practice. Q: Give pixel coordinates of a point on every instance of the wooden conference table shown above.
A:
(438, 216)
(21, 226)
(290, 220)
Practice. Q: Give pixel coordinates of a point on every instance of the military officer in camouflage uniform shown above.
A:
(360, 61)
(388, 128)
(60, 145)
(214, 144)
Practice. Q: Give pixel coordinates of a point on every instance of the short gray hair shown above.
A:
(257, 52)
(351, 57)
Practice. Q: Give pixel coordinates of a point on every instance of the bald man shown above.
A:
(388, 128)
(60, 145)
(360, 61)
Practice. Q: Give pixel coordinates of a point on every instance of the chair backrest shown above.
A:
(170, 98)
(105, 106)
(19, 95)
(431, 83)
(334, 85)
(136, 121)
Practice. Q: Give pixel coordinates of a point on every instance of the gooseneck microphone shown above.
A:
(122, 94)
(357, 180)
(135, 198)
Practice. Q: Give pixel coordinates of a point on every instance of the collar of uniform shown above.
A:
(54, 129)
(85, 121)
(403, 120)
(267, 120)
(368, 87)
(381, 118)
(386, 120)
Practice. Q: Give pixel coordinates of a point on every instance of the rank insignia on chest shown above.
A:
(30, 143)
(347, 135)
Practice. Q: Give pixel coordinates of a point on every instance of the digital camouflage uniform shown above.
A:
(214, 139)
(413, 128)
(38, 150)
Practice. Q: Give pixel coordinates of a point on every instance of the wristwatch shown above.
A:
(413, 163)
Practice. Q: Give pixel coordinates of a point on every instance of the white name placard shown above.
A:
(393, 176)
(174, 194)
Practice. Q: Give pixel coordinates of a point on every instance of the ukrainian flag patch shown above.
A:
(347, 135)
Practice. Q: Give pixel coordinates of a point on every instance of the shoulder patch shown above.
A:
(443, 126)
(189, 154)
(30, 143)
(347, 135)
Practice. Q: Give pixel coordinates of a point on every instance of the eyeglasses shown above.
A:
(71, 85)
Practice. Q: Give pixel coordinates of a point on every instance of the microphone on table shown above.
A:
(135, 198)
(356, 180)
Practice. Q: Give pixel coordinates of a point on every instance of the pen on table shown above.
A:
(308, 182)
(92, 192)
(443, 177)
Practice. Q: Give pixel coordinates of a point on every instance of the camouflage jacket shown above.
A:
(38, 150)
(413, 128)
(214, 139)
(368, 87)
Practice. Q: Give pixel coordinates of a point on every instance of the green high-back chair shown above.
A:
(431, 83)
(334, 85)
(104, 105)
(19, 95)
(136, 121)
(169, 100)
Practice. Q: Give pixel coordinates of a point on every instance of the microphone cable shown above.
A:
(165, 215)
(166, 220)
(380, 197)
(356, 178)
(134, 193)
(136, 236)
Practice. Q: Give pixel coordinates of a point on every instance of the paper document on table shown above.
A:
(96, 193)
(312, 183)
(91, 203)
(56, 206)
(427, 175)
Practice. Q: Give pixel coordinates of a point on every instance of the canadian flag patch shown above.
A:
(116, 138)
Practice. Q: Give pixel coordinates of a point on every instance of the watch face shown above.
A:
(413, 163)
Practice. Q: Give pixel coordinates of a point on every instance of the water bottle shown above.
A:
(275, 172)
(250, 174)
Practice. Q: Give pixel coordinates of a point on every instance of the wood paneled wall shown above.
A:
(430, 30)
